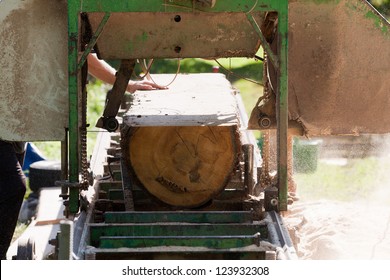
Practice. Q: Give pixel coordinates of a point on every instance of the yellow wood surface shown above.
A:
(182, 166)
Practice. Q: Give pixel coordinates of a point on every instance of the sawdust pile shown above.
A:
(344, 230)
(337, 230)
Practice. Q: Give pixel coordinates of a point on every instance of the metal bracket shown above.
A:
(271, 201)
(273, 58)
(93, 41)
(209, 3)
(204, 3)
(114, 97)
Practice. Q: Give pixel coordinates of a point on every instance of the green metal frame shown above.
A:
(76, 7)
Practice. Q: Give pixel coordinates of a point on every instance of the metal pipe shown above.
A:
(65, 240)
(282, 107)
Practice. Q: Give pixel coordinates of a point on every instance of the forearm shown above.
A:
(101, 69)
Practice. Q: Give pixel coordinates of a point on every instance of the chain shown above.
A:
(265, 178)
(84, 159)
(83, 138)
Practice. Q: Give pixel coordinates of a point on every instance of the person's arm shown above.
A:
(103, 71)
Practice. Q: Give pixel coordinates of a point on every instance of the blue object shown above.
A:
(32, 155)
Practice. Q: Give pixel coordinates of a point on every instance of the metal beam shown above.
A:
(239, 6)
(282, 107)
(173, 229)
(179, 217)
(73, 90)
(216, 242)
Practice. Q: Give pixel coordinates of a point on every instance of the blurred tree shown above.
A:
(383, 6)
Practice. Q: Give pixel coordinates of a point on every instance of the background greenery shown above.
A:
(383, 6)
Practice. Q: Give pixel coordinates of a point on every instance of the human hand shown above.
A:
(143, 85)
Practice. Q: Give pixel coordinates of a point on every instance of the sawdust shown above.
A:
(338, 69)
(326, 230)
(349, 230)
(335, 87)
(33, 80)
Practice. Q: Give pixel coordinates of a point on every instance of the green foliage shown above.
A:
(234, 68)
(383, 6)
(50, 149)
(97, 92)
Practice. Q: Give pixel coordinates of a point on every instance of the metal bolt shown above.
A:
(265, 122)
(274, 202)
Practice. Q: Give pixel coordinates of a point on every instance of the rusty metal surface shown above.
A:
(339, 68)
(33, 61)
(137, 35)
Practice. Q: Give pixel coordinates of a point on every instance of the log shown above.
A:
(182, 166)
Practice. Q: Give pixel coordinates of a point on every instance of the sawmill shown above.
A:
(176, 173)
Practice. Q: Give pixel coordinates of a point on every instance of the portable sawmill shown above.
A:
(175, 173)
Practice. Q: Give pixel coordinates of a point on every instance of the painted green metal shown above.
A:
(93, 41)
(75, 7)
(73, 39)
(179, 253)
(174, 229)
(138, 194)
(115, 194)
(282, 106)
(239, 6)
(110, 185)
(273, 57)
(179, 217)
(216, 242)
(65, 240)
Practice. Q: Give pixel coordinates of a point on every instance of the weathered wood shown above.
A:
(191, 100)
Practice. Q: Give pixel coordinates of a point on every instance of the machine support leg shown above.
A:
(65, 240)
(114, 99)
(282, 113)
(73, 81)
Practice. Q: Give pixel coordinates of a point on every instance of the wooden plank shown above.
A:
(191, 100)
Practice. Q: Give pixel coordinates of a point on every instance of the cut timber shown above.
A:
(182, 144)
(191, 100)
